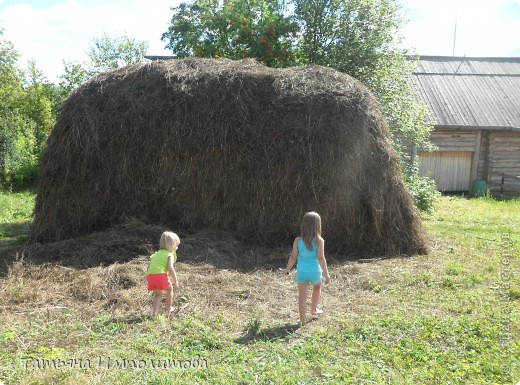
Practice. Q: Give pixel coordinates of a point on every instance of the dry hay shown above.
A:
(106, 271)
(132, 240)
(231, 146)
(216, 283)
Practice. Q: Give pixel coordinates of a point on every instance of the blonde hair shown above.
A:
(169, 240)
(310, 228)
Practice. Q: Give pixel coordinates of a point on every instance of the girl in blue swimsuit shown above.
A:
(308, 252)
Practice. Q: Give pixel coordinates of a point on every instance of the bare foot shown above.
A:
(317, 312)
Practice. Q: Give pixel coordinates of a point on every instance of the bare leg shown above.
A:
(169, 297)
(303, 289)
(315, 298)
(156, 303)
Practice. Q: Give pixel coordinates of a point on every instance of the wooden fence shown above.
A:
(504, 185)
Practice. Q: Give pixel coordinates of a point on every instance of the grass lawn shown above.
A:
(15, 216)
(450, 317)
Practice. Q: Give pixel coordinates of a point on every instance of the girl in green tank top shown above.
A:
(161, 275)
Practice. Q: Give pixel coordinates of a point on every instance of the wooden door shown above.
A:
(451, 170)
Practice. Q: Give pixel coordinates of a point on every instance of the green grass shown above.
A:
(447, 318)
(16, 211)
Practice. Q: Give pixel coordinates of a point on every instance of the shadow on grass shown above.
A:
(13, 234)
(268, 334)
(130, 320)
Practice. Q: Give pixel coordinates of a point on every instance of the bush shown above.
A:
(18, 162)
(423, 190)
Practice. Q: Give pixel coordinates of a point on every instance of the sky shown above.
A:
(52, 31)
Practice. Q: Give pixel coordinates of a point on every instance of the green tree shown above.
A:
(362, 38)
(28, 105)
(358, 37)
(114, 52)
(11, 123)
(104, 54)
(39, 106)
(74, 74)
(235, 29)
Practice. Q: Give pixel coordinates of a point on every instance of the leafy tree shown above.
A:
(39, 106)
(358, 37)
(74, 74)
(104, 54)
(28, 105)
(236, 29)
(113, 52)
(362, 38)
(11, 87)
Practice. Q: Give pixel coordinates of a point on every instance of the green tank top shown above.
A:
(159, 262)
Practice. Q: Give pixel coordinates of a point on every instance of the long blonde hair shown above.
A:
(168, 241)
(310, 228)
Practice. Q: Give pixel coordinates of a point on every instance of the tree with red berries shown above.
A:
(359, 37)
(236, 29)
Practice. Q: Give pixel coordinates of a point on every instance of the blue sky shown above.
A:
(50, 31)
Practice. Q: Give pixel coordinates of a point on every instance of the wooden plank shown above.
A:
(504, 136)
(454, 140)
(507, 182)
(506, 169)
(452, 148)
(453, 134)
(476, 160)
(450, 170)
(504, 156)
(505, 148)
(456, 135)
(515, 159)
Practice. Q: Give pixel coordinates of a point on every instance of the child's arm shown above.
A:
(322, 261)
(293, 257)
(171, 272)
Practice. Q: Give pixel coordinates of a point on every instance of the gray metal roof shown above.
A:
(464, 92)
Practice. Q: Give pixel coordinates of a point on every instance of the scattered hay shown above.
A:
(215, 281)
(226, 145)
(119, 243)
(30, 290)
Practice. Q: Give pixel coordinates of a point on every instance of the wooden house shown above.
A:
(475, 104)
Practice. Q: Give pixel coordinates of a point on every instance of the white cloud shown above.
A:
(430, 26)
(483, 28)
(66, 31)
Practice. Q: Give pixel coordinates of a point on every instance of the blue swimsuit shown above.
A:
(308, 267)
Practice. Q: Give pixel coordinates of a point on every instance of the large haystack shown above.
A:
(220, 144)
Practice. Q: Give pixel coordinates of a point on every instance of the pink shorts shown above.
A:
(158, 282)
